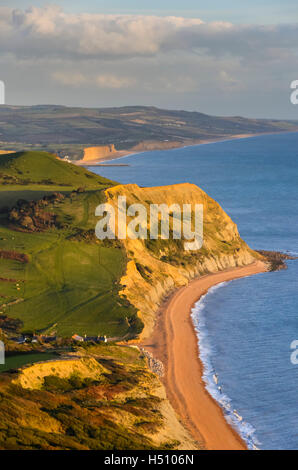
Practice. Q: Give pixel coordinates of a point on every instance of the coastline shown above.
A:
(174, 342)
(127, 153)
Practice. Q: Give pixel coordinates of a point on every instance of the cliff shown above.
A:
(105, 395)
(92, 154)
(156, 267)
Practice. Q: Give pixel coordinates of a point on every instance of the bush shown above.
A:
(52, 383)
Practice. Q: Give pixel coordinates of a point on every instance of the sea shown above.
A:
(245, 327)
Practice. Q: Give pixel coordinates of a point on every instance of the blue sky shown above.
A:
(238, 11)
(220, 57)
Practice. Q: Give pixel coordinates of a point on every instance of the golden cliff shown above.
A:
(92, 154)
(156, 267)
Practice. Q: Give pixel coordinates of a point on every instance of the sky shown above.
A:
(240, 11)
(219, 57)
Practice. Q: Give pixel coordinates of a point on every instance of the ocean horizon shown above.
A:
(255, 182)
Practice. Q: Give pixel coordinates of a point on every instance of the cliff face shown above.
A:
(155, 267)
(96, 153)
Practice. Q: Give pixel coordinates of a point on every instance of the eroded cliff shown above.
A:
(98, 153)
(155, 267)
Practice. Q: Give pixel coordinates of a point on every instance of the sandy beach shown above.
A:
(126, 153)
(175, 343)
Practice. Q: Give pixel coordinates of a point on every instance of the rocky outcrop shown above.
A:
(156, 267)
(276, 260)
(155, 365)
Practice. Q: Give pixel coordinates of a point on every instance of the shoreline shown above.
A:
(128, 153)
(175, 343)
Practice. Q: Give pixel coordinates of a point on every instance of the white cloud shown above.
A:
(166, 61)
(112, 81)
(107, 81)
(74, 79)
(50, 31)
(228, 81)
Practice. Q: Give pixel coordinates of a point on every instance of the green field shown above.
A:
(71, 282)
(31, 168)
(20, 360)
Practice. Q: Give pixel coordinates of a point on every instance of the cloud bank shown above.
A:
(50, 31)
(146, 54)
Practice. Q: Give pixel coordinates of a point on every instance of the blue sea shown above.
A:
(245, 327)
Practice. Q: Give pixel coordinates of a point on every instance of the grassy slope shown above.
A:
(122, 410)
(38, 167)
(20, 360)
(31, 175)
(68, 283)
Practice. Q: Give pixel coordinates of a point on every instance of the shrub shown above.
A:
(52, 383)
